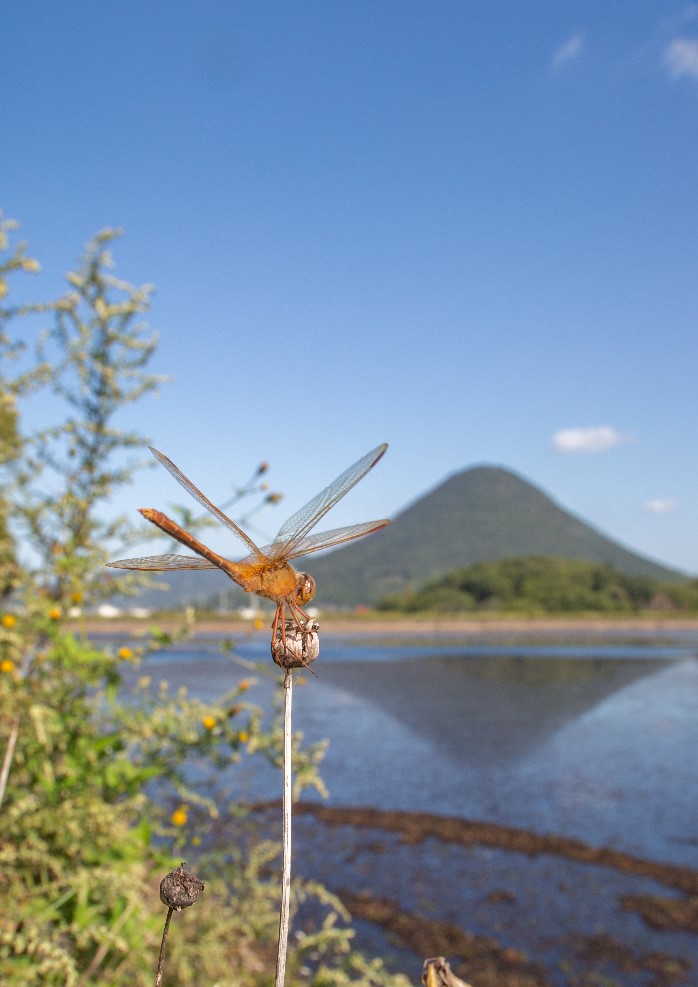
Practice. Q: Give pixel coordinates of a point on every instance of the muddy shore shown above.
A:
(603, 917)
(403, 627)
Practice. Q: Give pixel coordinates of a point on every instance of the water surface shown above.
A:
(594, 740)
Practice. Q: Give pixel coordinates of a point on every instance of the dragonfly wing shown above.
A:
(204, 501)
(160, 563)
(294, 530)
(327, 539)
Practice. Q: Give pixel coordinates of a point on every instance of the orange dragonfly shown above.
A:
(264, 571)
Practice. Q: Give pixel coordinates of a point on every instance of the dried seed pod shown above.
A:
(179, 890)
(436, 972)
(296, 647)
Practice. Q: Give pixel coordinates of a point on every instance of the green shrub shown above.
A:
(96, 806)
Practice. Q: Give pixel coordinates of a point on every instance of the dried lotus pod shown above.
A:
(179, 890)
(296, 647)
(437, 972)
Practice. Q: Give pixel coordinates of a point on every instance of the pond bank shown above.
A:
(403, 627)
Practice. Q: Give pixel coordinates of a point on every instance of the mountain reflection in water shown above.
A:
(593, 742)
(490, 710)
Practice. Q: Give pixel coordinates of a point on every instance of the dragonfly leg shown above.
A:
(306, 630)
(279, 615)
(295, 610)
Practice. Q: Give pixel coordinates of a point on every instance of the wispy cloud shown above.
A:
(596, 439)
(568, 51)
(681, 58)
(660, 505)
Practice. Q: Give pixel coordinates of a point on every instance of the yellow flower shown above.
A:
(125, 654)
(258, 624)
(196, 841)
(243, 736)
(7, 665)
(76, 597)
(208, 722)
(55, 613)
(244, 685)
(31, 265)
(8, 620)
(179, 817)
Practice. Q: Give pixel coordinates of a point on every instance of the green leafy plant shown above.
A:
(96, 797)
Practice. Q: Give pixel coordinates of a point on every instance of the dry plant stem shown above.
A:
(163, 947)
(97, 960)
(286, 862)
(7, 760)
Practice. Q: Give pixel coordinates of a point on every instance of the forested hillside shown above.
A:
(545, 585)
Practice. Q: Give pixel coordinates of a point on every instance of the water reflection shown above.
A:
(489, 710)
(585, 746)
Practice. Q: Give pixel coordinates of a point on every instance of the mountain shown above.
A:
(479, 515)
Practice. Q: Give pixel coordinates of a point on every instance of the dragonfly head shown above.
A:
(305, 588)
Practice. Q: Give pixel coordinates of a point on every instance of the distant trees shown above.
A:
(536, 584)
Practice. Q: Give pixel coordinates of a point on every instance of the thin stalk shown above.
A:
(163, 947)
(286, 838)
(103, 950)
(7, 760)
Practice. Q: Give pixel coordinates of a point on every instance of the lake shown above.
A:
(593, 739)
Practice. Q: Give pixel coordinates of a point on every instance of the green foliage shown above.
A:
(89, 776)
(545, 585)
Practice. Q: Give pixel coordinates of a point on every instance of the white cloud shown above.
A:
(681, 58)
(568, 51)
(596, 439)
(660, 505)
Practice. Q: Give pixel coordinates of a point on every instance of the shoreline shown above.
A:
(402, 627)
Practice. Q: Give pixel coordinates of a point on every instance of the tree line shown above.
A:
(537, 584)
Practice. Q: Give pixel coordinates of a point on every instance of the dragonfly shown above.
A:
(265, 571)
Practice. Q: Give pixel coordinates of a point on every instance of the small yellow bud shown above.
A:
(8, 620)
(196, 841)
(3, 288)
(243, 736)
(244, 685)
(55, 613)
(179, 817)
(258, 624)
(208, 722)
(76, 597)
(31, 265)
(7, 665)
(125, 654)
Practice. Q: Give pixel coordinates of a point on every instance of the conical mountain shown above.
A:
(479, 515)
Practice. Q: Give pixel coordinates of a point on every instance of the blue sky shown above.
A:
(469, 229)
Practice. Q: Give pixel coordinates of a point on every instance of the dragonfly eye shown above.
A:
(306, 587)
